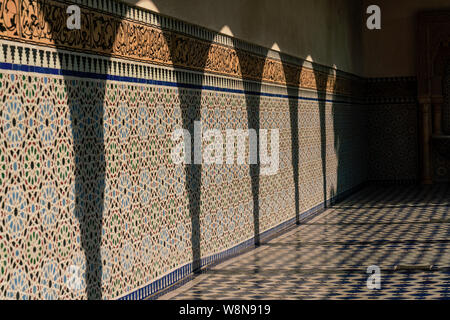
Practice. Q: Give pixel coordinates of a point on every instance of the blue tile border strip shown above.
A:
(98, 76)
(184, 274)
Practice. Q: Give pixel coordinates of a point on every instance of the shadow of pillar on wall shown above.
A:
(347, 129)
(184, 51)
(292, 77)
(252, 74)
(86, 99)
(339, 130)
(86, 104)
(321, 86)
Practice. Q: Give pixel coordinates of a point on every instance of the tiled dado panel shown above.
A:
(441, 164)
(60, 109)
(446, 106)
(393, 131)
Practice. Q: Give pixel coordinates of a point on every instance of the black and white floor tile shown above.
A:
(405, 231)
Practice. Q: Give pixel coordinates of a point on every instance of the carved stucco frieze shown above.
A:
(44, 23)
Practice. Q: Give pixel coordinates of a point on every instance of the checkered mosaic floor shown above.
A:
(403, 230)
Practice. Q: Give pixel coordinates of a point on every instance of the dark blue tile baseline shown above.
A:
(183, 274)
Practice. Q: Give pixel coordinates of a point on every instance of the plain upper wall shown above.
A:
(391, 51)
(327, 32)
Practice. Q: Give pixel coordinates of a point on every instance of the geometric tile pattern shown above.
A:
(393, 148)
(145, 221)
(392, 126)
(446, 105)
(441, 164)
(49, 124)
(393, 130)
(52, 120)
(327, 257)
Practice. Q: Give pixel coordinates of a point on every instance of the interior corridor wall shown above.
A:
(323, 31)
(390, 66)
(88, 188)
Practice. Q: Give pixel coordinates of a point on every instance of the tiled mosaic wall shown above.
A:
(393, 131)
(441, 162)
(446, 106)
(86, 177)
